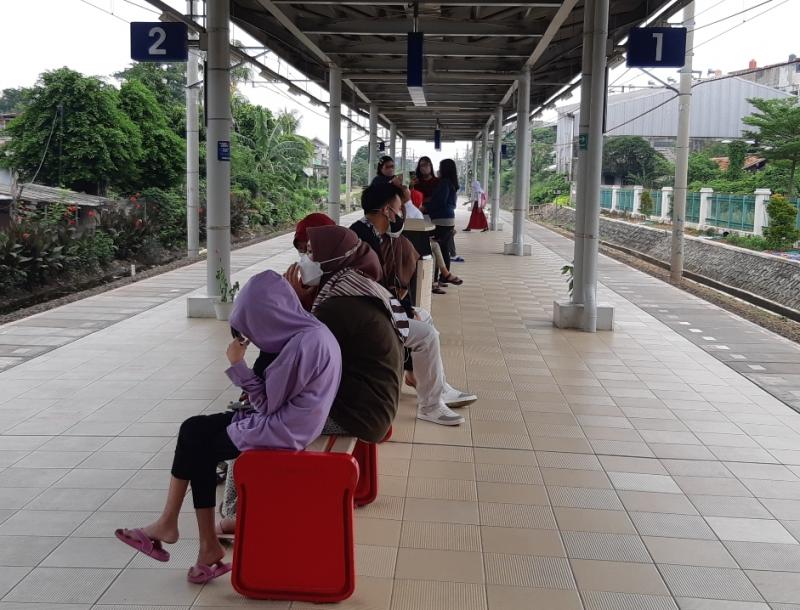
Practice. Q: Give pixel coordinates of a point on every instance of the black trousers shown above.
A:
(443, 236)
(203, 441)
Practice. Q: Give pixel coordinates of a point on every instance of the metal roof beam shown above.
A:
(433, 48)
(437, 78)
(440, 64)
(475, 3)
(431, 27)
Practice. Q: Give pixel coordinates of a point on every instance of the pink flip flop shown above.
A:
(143, 543)
(200, 574)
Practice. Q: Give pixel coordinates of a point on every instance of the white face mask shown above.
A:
(311, 271)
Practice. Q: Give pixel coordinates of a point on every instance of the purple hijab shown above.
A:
(293, 400)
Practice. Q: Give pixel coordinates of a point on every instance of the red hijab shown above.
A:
(315, 219)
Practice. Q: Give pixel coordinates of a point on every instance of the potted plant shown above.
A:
(569, 272)
(227, 294)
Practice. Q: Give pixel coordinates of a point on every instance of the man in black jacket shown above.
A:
(383, 216)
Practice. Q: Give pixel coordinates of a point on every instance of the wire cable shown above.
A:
(99, 8)
(747, 10)
(44, 155)
(740, 24)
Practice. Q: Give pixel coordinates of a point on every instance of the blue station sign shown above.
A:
(158, 41)
(657, 48)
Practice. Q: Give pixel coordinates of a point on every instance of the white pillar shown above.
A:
(403, 155)
(583, 135)
(705, 206)
(637, 199)
(485, 160)
(349, 169)
(666, 202)
(498, 152)
(192, 148)
(614, 197)
(594, 163)
(373, 142)
(335, 142)
(218, 165)
(475, 147)
(761, 219)
(393, 142)
(523, 166)
(682, 149)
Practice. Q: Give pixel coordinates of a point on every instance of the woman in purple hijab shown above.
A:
(289, 407)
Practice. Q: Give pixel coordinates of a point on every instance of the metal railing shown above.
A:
(732, 211)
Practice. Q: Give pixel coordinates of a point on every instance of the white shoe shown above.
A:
(440, 414)
(456, 398)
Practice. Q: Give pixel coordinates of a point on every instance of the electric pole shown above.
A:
(682, 150)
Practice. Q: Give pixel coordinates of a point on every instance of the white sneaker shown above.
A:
(440, 414)
(456, 398)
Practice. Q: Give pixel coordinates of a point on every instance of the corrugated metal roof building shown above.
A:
(718, 107)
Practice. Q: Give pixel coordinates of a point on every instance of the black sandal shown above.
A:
(437, 290)
(454, 279)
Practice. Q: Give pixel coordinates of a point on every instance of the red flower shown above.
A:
(72, 208)
(26, 235)
(71, 222)
(133, 198)
(91, 213)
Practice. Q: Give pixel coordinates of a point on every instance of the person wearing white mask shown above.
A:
(383, 220)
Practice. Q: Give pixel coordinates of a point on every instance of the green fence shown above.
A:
(693, 207)
(732, 211)
(625, 200)
(658, 198)
(605, 199)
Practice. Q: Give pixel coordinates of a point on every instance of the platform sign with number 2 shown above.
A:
(159, 41)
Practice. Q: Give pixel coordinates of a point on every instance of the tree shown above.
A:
(99, 143)
(782, 231)
(162, 159)
(737, 153)
(168, 83)
(635, 161)
(13, 100)
(777, 133)
(702, 168)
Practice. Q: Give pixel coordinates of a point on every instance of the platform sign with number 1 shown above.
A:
(657, 48)
(159, 41)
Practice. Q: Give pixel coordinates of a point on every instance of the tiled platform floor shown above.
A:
(625, 470)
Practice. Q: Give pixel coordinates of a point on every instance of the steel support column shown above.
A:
(393, 142)
(498, 152)
(192, 147)
(523, 165)
(349, 170)
(594, 164)
(218, 165)
(403, 155)
(334, 142)
(373, 142)
(485, 160)
(583, 135)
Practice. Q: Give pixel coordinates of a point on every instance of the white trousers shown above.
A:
(423, 341)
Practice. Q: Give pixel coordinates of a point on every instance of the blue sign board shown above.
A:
(223, 150)
(159, 41)
(437, 139)
(657, 48)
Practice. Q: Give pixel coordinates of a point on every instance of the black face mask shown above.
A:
(396, 226)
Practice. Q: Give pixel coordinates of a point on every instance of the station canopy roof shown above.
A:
(473, 51)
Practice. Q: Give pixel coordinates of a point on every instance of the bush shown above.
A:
(166, 211)
(92, 252)
(782, 232)
(751, 242)
(646, 204)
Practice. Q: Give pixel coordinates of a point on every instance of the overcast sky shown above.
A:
(41, 35)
